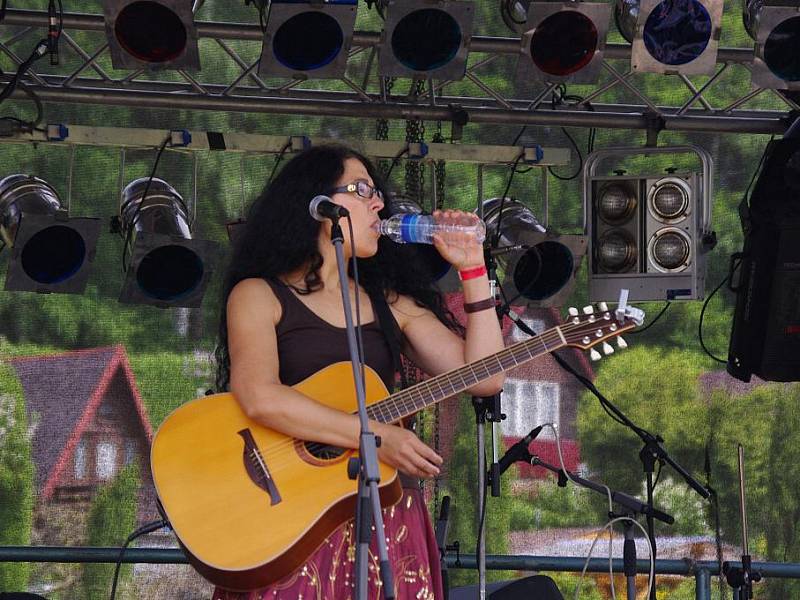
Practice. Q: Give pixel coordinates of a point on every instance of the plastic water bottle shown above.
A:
(410, 228)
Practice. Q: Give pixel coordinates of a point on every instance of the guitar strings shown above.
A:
(405, 400)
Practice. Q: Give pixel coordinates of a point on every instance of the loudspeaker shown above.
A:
(765, 337)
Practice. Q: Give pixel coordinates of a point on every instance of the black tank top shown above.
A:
(308, 343)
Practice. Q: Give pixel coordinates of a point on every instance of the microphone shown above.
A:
(322, 207)
(519, 451)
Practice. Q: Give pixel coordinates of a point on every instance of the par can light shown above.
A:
(50, 252)
(776, 30)
(422, 38)
(563, 41)
(305, 40)
(671, 36)
(167, 267)
(151, 34)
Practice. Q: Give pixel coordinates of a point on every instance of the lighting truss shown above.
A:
(83, 78)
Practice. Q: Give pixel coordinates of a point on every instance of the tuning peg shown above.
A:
(573, 312)
(594, 355)
(607, 348)
(602, 307)
(588, 310)
(621, 343)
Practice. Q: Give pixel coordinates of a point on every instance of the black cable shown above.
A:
(38, 52)
(580, 160)
(658, 474)
(651, 323)
(126, 249)
(148, 528)
(278, 160)
(554, 101)
(482, 521)
(703, 312)
(394, 162)
(496, 238)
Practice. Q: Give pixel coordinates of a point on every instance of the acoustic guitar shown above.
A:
(249, 505)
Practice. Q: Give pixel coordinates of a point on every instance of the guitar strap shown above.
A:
(391, 331)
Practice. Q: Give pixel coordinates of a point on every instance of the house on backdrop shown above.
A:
(89, 423)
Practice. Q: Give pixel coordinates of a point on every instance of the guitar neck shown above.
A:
(426, 393)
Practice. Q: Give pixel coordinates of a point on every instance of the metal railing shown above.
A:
(702, 570)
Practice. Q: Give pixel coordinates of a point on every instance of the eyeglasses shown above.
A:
(362, 188)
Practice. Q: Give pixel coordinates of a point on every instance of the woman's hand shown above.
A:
(461, 250)
(404, 451)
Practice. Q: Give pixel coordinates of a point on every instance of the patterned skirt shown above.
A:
(328, 574)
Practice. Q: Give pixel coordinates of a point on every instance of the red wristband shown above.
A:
(472, 273)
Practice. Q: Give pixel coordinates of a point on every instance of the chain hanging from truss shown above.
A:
(439, 171)
(382, 132)
(415, 169)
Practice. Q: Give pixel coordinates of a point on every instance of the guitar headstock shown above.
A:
(597, 324)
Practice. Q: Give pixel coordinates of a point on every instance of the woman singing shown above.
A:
(283, 321)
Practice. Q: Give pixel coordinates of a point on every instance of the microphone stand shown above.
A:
(365, 467)
(741, 578)
(487, 408)
(633, 506)
(651, 452)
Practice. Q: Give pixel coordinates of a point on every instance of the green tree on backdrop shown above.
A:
(111, 520)
(16, 480)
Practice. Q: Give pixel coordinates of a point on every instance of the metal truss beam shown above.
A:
(134, 137)
(366, 96)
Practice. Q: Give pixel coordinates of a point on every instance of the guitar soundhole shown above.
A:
(323, 451)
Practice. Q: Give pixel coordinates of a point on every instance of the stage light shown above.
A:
(166, 266)
(646, 235)
(562, 42)
(151, 34)
(776, 31)
(308, 39)
(671, 36)
(422, 38)
(50, 251)
(535, 266)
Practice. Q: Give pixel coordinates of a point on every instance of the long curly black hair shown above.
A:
(280, 236)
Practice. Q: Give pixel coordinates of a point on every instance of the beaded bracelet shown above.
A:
(473, 307)
(472, 273)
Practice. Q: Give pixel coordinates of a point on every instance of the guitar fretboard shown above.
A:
(433, 390)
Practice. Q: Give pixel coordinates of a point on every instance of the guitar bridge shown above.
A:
(256, 467)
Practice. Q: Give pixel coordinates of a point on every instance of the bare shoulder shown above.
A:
(406, 309)
(254, 295)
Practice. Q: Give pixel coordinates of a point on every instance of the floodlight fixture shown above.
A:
(775, 28)
(648, 233)
(563, 41)
(426, 38)
(671, 36)
(166, 266)
(308, 39)
(536, 266)
(151, 34)
(50, 251)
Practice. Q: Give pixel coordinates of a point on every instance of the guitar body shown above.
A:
(248, 504)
